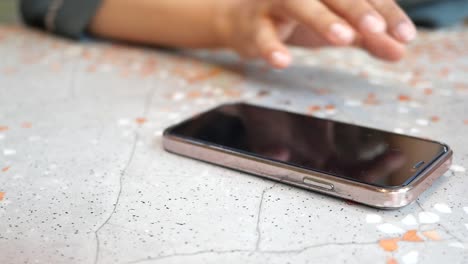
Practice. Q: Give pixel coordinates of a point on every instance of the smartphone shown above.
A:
(370, 166)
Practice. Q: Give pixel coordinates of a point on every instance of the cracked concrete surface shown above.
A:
(116, 203)
(90, 183)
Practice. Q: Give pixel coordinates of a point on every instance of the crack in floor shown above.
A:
(259, 217)
(440, 225)
(146, 105)
(119, 193)
(222, 252)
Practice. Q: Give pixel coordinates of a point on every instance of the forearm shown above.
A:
(181, 23)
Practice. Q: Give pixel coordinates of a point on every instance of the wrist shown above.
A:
(223, 21)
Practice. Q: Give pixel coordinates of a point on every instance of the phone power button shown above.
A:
(318, 184)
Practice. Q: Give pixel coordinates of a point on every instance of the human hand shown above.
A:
(261, 28)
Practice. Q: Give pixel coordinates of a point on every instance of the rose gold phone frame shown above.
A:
(387, 198)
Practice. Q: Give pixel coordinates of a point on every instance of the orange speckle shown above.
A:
(428, 91)
(444, 72)
(435, 119)
(390, 244)
(330, 107)
(392, 261)
(404, 98)
(6, 169)
(432, 235)
(371, 99)
(194, 94)
(91, 68)
(124, 73)
(204, 76)
(26, 125)
(140, 120)
(322, 91)
(233, 93)
(364, 74)
(465, 121)
(2, 195)
(9, 71)
(314, 108)
(461, 86)
(55, 67)
(3, 128)
(412, 236)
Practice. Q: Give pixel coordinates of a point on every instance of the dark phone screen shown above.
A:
(343, 150)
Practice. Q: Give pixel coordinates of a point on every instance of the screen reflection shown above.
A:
(343, 150)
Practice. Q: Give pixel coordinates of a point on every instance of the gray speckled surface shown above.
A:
(84, 179)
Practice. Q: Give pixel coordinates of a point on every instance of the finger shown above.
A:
(270, 47)
(383, 46)
(399, 24)
(318, 17)
(360, 14)
(305, 37)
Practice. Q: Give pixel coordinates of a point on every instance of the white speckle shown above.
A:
(140, 143)
(410, 258)
(422, 122)
(428, 218)
(207, 88)
(2, 136)
(53, 166)
(201, 101)
(158, 133)
(443, 208)
(250, 94)
(373, 218)
(330, 112)
(446, 92)
(34, 138)
(136, 66)
(456, 245)
(414, 130)
(178, 96)
(105, 68)
(17, 176)
(465, 209)
(73, 51)
(173, 115)
(124, 122)
(403, 110)
(127, 133)
(217, 91)
(94, 141)
(409, 220)
(9, 152)
(466, 225)
(398, 130)
(352, 103)
(390, 229)
(163, 74)
(457, 168)
(414, 104)
(319, 114)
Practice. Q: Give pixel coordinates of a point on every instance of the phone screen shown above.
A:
(357, 153)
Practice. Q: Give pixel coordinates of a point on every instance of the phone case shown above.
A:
(387, 198)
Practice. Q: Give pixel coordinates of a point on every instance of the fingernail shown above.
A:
(281, 59)
(342, 33)
(406, 31)
(372, 23)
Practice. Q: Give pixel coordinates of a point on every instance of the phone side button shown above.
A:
(314, 183)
